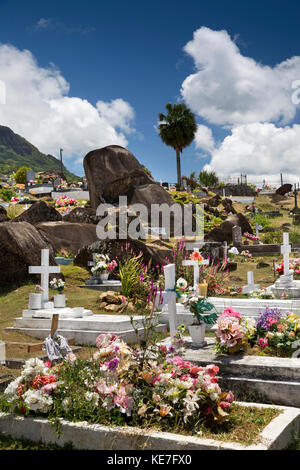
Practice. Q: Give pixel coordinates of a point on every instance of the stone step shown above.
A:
(265, 391)
(84, 337)
(252, 378)
(99, 322)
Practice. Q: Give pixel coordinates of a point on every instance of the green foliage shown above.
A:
(7, 193)
(262, 220)
(294, 235)
(20, 175)
(271, 237)
(130, 273)
(177, 129)
(208, 178)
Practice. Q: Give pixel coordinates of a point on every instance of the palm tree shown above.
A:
(177, 129)
(208, 178)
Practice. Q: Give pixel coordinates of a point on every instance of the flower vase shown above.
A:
(104, 276)
(35, 301)
(197, 333)
(59, 301)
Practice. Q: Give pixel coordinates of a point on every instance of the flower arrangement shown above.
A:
(263, 293)
(57, 284)
(245, 256)
(64, 254)
(15, 200)
(198, 305)
(115, 387)
(294, 265)
(250, 236)
(101, 264)
(231, 334)
(64, 201)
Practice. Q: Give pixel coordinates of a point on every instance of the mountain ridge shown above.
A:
(16, 151)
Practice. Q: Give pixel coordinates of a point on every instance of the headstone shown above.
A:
(30, 176)
(225, 251)
(2, 353)
(236, 235)
(44, 270)
(251, 287)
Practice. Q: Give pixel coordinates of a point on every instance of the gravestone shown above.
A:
(251, 287)
(236, 235)
(30, 176)
(44, 270)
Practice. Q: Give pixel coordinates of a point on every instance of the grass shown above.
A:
(9, 443)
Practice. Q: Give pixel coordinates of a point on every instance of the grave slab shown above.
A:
(278, 434)
(84, 330)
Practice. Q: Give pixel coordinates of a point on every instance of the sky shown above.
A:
(83, 75)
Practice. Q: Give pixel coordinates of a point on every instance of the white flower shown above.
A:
(36, 400)
(181, 283)
(214, 396)
(66, 402)
(33, 367)
(92, 397)
(11, 389)
(233, 251)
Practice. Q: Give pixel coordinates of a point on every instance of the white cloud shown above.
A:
(38, 108)
(260, 150)
(204, 138)
(229, 88)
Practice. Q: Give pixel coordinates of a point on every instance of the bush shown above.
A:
(7, 193)
(20, 175)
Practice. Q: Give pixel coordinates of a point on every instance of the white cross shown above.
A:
(93, 263)
(257, 229)
(196, 264)
(44, 270)
(225, 251)
(251, 287)
(169, 297)
(285, 251)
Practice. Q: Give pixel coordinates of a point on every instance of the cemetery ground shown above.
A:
(246, 423)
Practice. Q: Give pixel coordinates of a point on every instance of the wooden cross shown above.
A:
(44, 270)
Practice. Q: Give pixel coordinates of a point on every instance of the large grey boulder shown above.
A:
(39, 212)
(112, 171)
(20, 247)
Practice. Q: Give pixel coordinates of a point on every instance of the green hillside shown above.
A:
(15, 151)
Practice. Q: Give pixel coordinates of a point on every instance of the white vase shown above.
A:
(59, 301)
(35, 301)
(104, 276)
(197, 333)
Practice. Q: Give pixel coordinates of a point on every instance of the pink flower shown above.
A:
(225, 405)
(263, 342)
(212, 370)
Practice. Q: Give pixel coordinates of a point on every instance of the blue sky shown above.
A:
(133, 51)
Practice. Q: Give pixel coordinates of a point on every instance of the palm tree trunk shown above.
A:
(178, 168)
